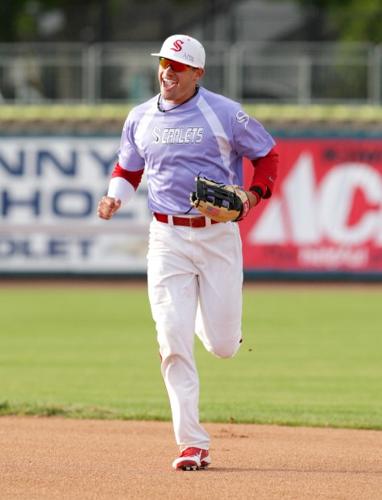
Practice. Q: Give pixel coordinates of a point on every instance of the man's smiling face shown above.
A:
(178, 86)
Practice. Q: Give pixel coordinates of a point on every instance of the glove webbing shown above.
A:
(219, 196)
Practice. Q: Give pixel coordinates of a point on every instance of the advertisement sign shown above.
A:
(49, 191)
(326, 212)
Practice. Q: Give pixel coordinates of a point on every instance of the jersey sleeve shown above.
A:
(250, 137)
(128, 156)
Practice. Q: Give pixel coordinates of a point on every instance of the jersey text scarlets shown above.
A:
(189, 135)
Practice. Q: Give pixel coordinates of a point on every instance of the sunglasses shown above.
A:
(178, 67)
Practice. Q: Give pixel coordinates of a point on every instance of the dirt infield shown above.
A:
(55, 458)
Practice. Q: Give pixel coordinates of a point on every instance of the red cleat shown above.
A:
(192, 459)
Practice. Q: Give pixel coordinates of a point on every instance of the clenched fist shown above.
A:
(107, 207)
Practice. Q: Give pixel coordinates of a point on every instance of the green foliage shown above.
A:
(19, 18)
(352, 20)
(356, 21)
(309, 357)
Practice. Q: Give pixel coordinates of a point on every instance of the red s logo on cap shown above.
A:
(177, 45)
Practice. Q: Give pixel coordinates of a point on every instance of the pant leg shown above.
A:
(173, 295)
(219, 314)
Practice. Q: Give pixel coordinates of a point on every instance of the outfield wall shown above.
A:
(325, 217)
(324, 220)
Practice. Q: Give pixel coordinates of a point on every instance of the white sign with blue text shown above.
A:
(49, 190)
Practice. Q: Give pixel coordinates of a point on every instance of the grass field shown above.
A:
(311, 356)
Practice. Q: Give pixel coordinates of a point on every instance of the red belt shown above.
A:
(183, 221)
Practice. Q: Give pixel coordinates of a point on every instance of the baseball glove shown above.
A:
(219, 202)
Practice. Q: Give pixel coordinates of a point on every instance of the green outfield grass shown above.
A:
(311, 356)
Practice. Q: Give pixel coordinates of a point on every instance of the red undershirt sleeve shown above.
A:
(265, 173)
(133, 177)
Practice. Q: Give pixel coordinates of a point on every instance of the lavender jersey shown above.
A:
(208, 135)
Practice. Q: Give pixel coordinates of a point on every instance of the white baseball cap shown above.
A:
(184, 49)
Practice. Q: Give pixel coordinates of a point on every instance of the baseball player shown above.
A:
(194, 261)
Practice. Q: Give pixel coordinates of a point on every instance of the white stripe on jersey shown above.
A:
(144, 122)
(220, 135)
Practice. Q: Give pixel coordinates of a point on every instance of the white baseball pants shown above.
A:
(195, 278)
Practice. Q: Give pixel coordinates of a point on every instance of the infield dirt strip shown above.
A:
(55, 458)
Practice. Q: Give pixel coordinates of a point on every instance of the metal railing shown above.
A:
(249, 72)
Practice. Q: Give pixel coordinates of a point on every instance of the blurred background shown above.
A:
(309, 70)
(296, 51)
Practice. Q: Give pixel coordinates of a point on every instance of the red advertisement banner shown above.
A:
(326, 211)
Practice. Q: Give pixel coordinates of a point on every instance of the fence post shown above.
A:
(233, 72)
(91, 77)
(374, 74)
(304, 84)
